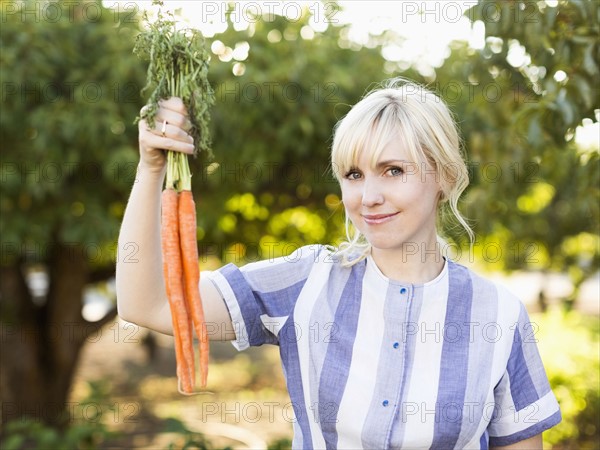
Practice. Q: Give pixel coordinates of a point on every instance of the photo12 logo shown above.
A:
(70, 92)
(69, 10)
(252, 12)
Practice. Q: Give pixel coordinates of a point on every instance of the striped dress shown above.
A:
(374, 363)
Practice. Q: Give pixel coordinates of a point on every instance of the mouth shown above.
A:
(374, 219)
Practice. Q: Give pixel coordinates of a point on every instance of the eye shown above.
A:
(395, 171)
(352, 174)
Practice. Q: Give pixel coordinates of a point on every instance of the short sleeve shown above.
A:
(260, 296)
(524, 403)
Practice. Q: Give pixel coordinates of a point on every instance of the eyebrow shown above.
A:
(384, 163)
(388, 162)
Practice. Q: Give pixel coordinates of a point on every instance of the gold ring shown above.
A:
(164, 129)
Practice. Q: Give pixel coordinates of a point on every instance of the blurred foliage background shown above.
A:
(70, 93)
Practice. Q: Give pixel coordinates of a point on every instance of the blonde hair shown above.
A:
(401, 108)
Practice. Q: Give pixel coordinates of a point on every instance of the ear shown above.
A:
(441, 184)
(442, 198)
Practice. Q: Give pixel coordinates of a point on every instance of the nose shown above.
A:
(372, 194)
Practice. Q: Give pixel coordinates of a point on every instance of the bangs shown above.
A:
(369, 127)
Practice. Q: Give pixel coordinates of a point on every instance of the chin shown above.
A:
(387, 246)
(391, 241)
(383, 243)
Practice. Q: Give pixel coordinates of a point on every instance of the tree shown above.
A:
(70, 92)
(535, 194)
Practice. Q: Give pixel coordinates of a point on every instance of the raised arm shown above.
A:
(141, 295)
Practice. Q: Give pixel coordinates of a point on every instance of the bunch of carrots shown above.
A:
(178, 67)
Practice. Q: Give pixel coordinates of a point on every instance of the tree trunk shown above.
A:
(40, 345)
(20, 377)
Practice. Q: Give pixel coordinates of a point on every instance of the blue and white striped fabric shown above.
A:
(373, 363)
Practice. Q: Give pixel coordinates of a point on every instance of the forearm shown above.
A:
(141, 295)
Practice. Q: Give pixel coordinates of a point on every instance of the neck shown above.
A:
(410, 263)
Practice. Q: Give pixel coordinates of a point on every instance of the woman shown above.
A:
(385, 343)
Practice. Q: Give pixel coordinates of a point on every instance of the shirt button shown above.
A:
(403, 291)
(396, 345)
(385, 403)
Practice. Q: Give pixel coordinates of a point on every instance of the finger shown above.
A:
(165, 129)
(174, 118)
(174, 138)
(151, 140)
(174, 104)
(143, 125)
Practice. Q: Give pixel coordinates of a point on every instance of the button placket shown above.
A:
(404, 292)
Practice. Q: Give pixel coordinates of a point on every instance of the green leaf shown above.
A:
(173, 425)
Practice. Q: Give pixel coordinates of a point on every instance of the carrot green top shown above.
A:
(178, 67)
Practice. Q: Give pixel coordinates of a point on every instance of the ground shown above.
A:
(247, 405)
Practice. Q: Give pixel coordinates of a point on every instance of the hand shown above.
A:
(170, 133)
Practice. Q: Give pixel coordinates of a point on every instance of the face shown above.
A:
(393, 205)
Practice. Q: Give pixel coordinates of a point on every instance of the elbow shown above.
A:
(125, 304)
(126, 309)
(141, 307)
(144, 318)
(126, 314)
(129, 316)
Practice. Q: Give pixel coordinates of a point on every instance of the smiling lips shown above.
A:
(375, 219)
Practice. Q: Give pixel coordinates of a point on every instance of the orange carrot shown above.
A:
(173, 270)
(189, 256)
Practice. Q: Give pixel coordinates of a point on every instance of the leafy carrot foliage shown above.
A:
(178, 67)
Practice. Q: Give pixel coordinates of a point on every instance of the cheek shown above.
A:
(352, 202)
(425, 188)
(349, 194)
